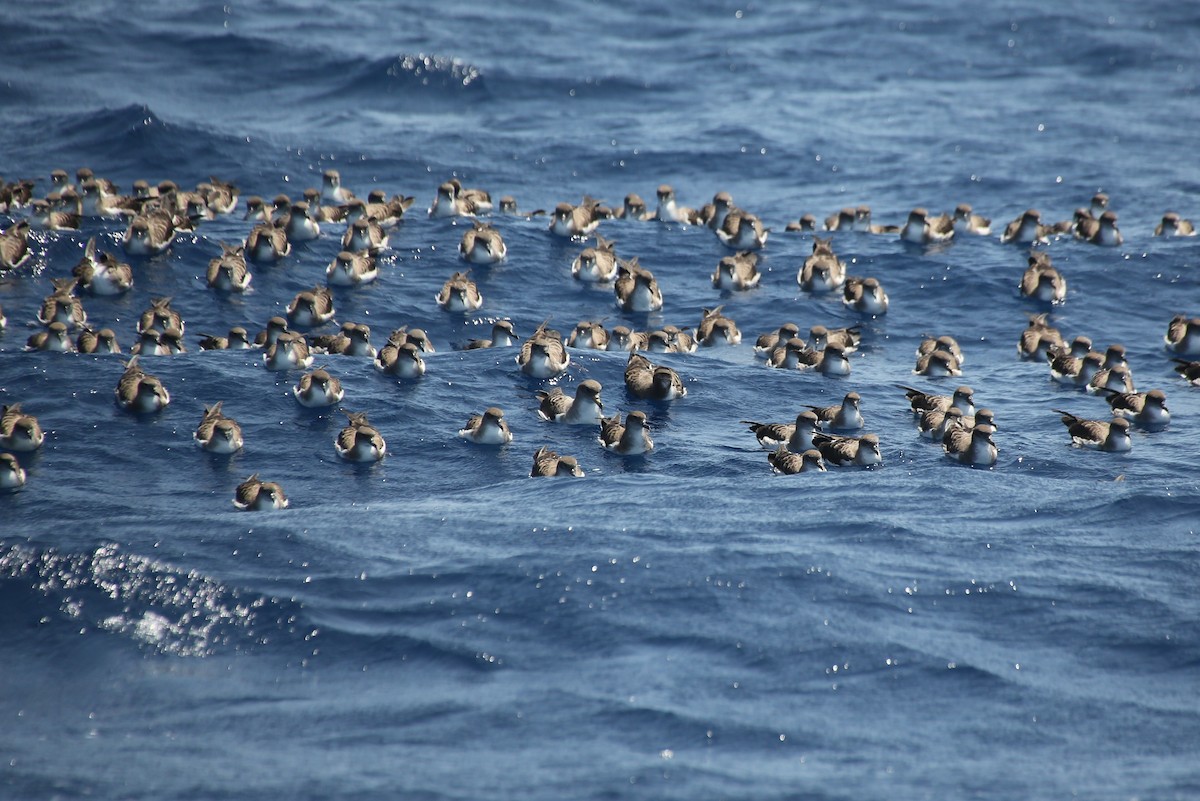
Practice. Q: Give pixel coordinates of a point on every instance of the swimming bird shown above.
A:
(332, 190)
(840, 451)
(634, 208)
(922, 229)
(659, 342)
(796, 437)
(325, 213)
(237, 339)
(62, 305)
(489, 428)
(172, 340)
(919, 401)
(973, 446)
(508, 205)
(228, 272)
(455, 200)
(796, 355)
(1026, 229)
(772, 339)
(717, 329)
(937, 364)
(12, 475)
(1098, 435)
(403, 360)
(807, 222)
(359, 441)
(100, 273)
(266, 338)
(543, 354)
(459, 294)
(865, 296)
(935, 424)
(585, 407)
(842, 221)
(1189, 371)
(786, 462)
(598, 263)
(743, 231)
(822, 271)
(150, 343)
(653, 382)
(352, 339)
(1146, 409)
(267, 242)
(482, 244)
(54, 339)
(387, 211)
(636, 288)
(845, 416)
(140, 392)
(256, 210)
(416, 336)
(218, 433)
(631, 438)
(92, 341)
(351, 269)
(966, 221)
(15, 194)
(221, 197)
(14, 246)
(1117, 379)
(863, 224)
(738, 272)
(1106, 232)
(287, 352)
(149, 234)
(1183, 335)
(848, 339)
(1174, 225)
(318, 388)
(944, 342)
(1041, 281)
(298, 224)
(1039, 337)
(160, 316)
(622, 337)
(311, 308)
(548, 463)
(255, 495)
(715, 213)
(43, 215)
(1073, 370)
(503, 336)
(367, 234)
(669, 209)
(278, 208)
(19, 431)
(679, 339)
(573, 221)
(589, 335)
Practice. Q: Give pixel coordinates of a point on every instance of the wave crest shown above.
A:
(157, 606)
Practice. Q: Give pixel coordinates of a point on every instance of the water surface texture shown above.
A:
(676, 626)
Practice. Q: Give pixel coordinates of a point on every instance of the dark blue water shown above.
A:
(683, 625)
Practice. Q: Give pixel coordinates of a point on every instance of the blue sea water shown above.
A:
(684, 625)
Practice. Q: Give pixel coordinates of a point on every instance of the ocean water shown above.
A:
(682, 625)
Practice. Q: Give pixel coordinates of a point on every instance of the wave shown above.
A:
(161, 608)
(134, 140)
(420, 77)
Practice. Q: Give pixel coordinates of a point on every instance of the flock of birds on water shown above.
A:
(819, 436)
